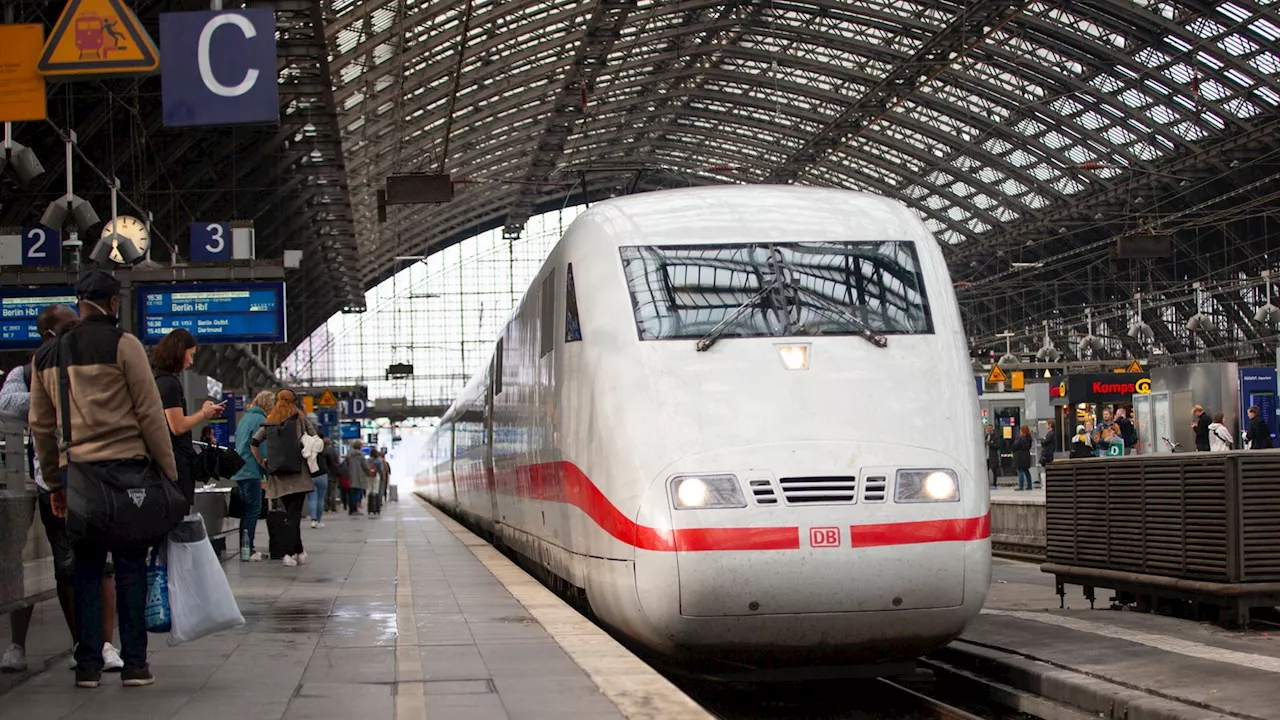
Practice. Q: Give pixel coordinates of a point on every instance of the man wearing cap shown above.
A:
(115, 416)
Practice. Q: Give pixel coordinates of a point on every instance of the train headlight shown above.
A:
(794, 356)
(706, 491)
(926, 486)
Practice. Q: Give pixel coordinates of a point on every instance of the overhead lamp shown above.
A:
(1090, 343)
(1200, 323)
(55, 216)
(25, 163)
(1268, 314)
(1047, 352)
(1008, 360)
(1139, 330)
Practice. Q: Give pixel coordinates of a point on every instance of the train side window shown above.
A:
(549, 313)
(572, 328)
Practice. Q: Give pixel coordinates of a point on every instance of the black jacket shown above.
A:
(1259, 434)
(1046, 449)
(1202, 431)
(1022, 453)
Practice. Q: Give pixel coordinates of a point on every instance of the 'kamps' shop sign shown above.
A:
(1107, 388)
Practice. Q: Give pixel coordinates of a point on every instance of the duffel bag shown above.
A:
(117, 502)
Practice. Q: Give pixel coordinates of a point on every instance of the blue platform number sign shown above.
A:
(210, 242)
(41, 246)
(219, 67)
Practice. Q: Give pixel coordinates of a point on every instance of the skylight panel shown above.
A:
(1265, 28)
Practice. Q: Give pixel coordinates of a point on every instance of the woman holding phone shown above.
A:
(169, 358)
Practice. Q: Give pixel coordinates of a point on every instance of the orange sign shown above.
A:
(22, 95)
(98, 37)
(1017, 380)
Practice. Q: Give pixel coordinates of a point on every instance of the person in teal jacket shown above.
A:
(249, 478)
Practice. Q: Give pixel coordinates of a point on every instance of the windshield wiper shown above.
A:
(863, 329)
(710, 338)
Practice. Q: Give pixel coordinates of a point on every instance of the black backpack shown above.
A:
(284, 448)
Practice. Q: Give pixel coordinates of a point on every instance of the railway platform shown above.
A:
(1112, 663)
(398, 617)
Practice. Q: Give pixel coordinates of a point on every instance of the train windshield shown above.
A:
(776, 289)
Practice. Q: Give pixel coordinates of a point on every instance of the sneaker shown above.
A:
(111, 661)
(313, 524)
(73, 664)
(137, 677)
(86, 678)
(256, 557)
(320, 525)
(15, 660)
(301, 557)
(289, 561)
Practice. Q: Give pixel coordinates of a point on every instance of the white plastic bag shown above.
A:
(200, 596)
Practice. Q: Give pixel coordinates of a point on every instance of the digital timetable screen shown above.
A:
(18, 312)
(213, 312)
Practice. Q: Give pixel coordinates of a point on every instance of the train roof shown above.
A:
(724, 213)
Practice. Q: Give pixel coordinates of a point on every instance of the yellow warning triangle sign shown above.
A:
(997, 375)
(1135, 367)
(328, 400)
(98, 37)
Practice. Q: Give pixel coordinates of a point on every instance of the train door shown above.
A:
(490, 426)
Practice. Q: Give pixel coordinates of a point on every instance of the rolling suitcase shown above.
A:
(375, 503)
(395, 494)
(276, 520)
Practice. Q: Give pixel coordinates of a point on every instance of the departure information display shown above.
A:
(213, 312)
(18, 312)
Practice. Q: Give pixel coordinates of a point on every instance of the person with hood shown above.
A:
(1258, 434)
(249, 477)
(1220, 438)
(1081, 445)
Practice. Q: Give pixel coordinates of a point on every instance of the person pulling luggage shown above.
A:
(288, 479)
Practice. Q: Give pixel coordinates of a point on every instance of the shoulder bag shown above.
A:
(122, 503)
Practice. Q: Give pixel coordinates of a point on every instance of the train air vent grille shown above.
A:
(873, 490)
(833, 490)
(763, 492)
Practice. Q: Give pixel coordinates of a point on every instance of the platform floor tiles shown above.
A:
(393, 617)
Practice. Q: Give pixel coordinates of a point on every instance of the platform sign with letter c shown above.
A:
(218, 67)
(41, 246)
(210, 242)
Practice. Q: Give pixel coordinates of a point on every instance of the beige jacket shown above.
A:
(115, 406)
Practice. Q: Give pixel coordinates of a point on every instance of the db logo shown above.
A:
(824, 537)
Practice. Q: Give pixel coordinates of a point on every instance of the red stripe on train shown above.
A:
(563, 482)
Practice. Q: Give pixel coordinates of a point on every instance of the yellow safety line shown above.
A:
(410, 691)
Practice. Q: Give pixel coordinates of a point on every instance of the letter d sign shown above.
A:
(219, 67)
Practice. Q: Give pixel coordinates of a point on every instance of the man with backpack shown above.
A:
(95, 414)
(15, 405)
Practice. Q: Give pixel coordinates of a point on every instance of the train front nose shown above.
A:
(818, 529)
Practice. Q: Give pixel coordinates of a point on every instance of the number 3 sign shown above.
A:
(210, 242)
(41, 246)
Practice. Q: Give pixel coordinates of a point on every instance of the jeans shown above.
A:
(1024, 474)
(318, 496)
(251, 494)
(293, 505)
(357, 494)
(131, 603)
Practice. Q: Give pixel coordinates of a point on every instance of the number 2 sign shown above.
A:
(41, 246)
(210, 242)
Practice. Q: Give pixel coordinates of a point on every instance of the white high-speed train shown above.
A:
(742, 420)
